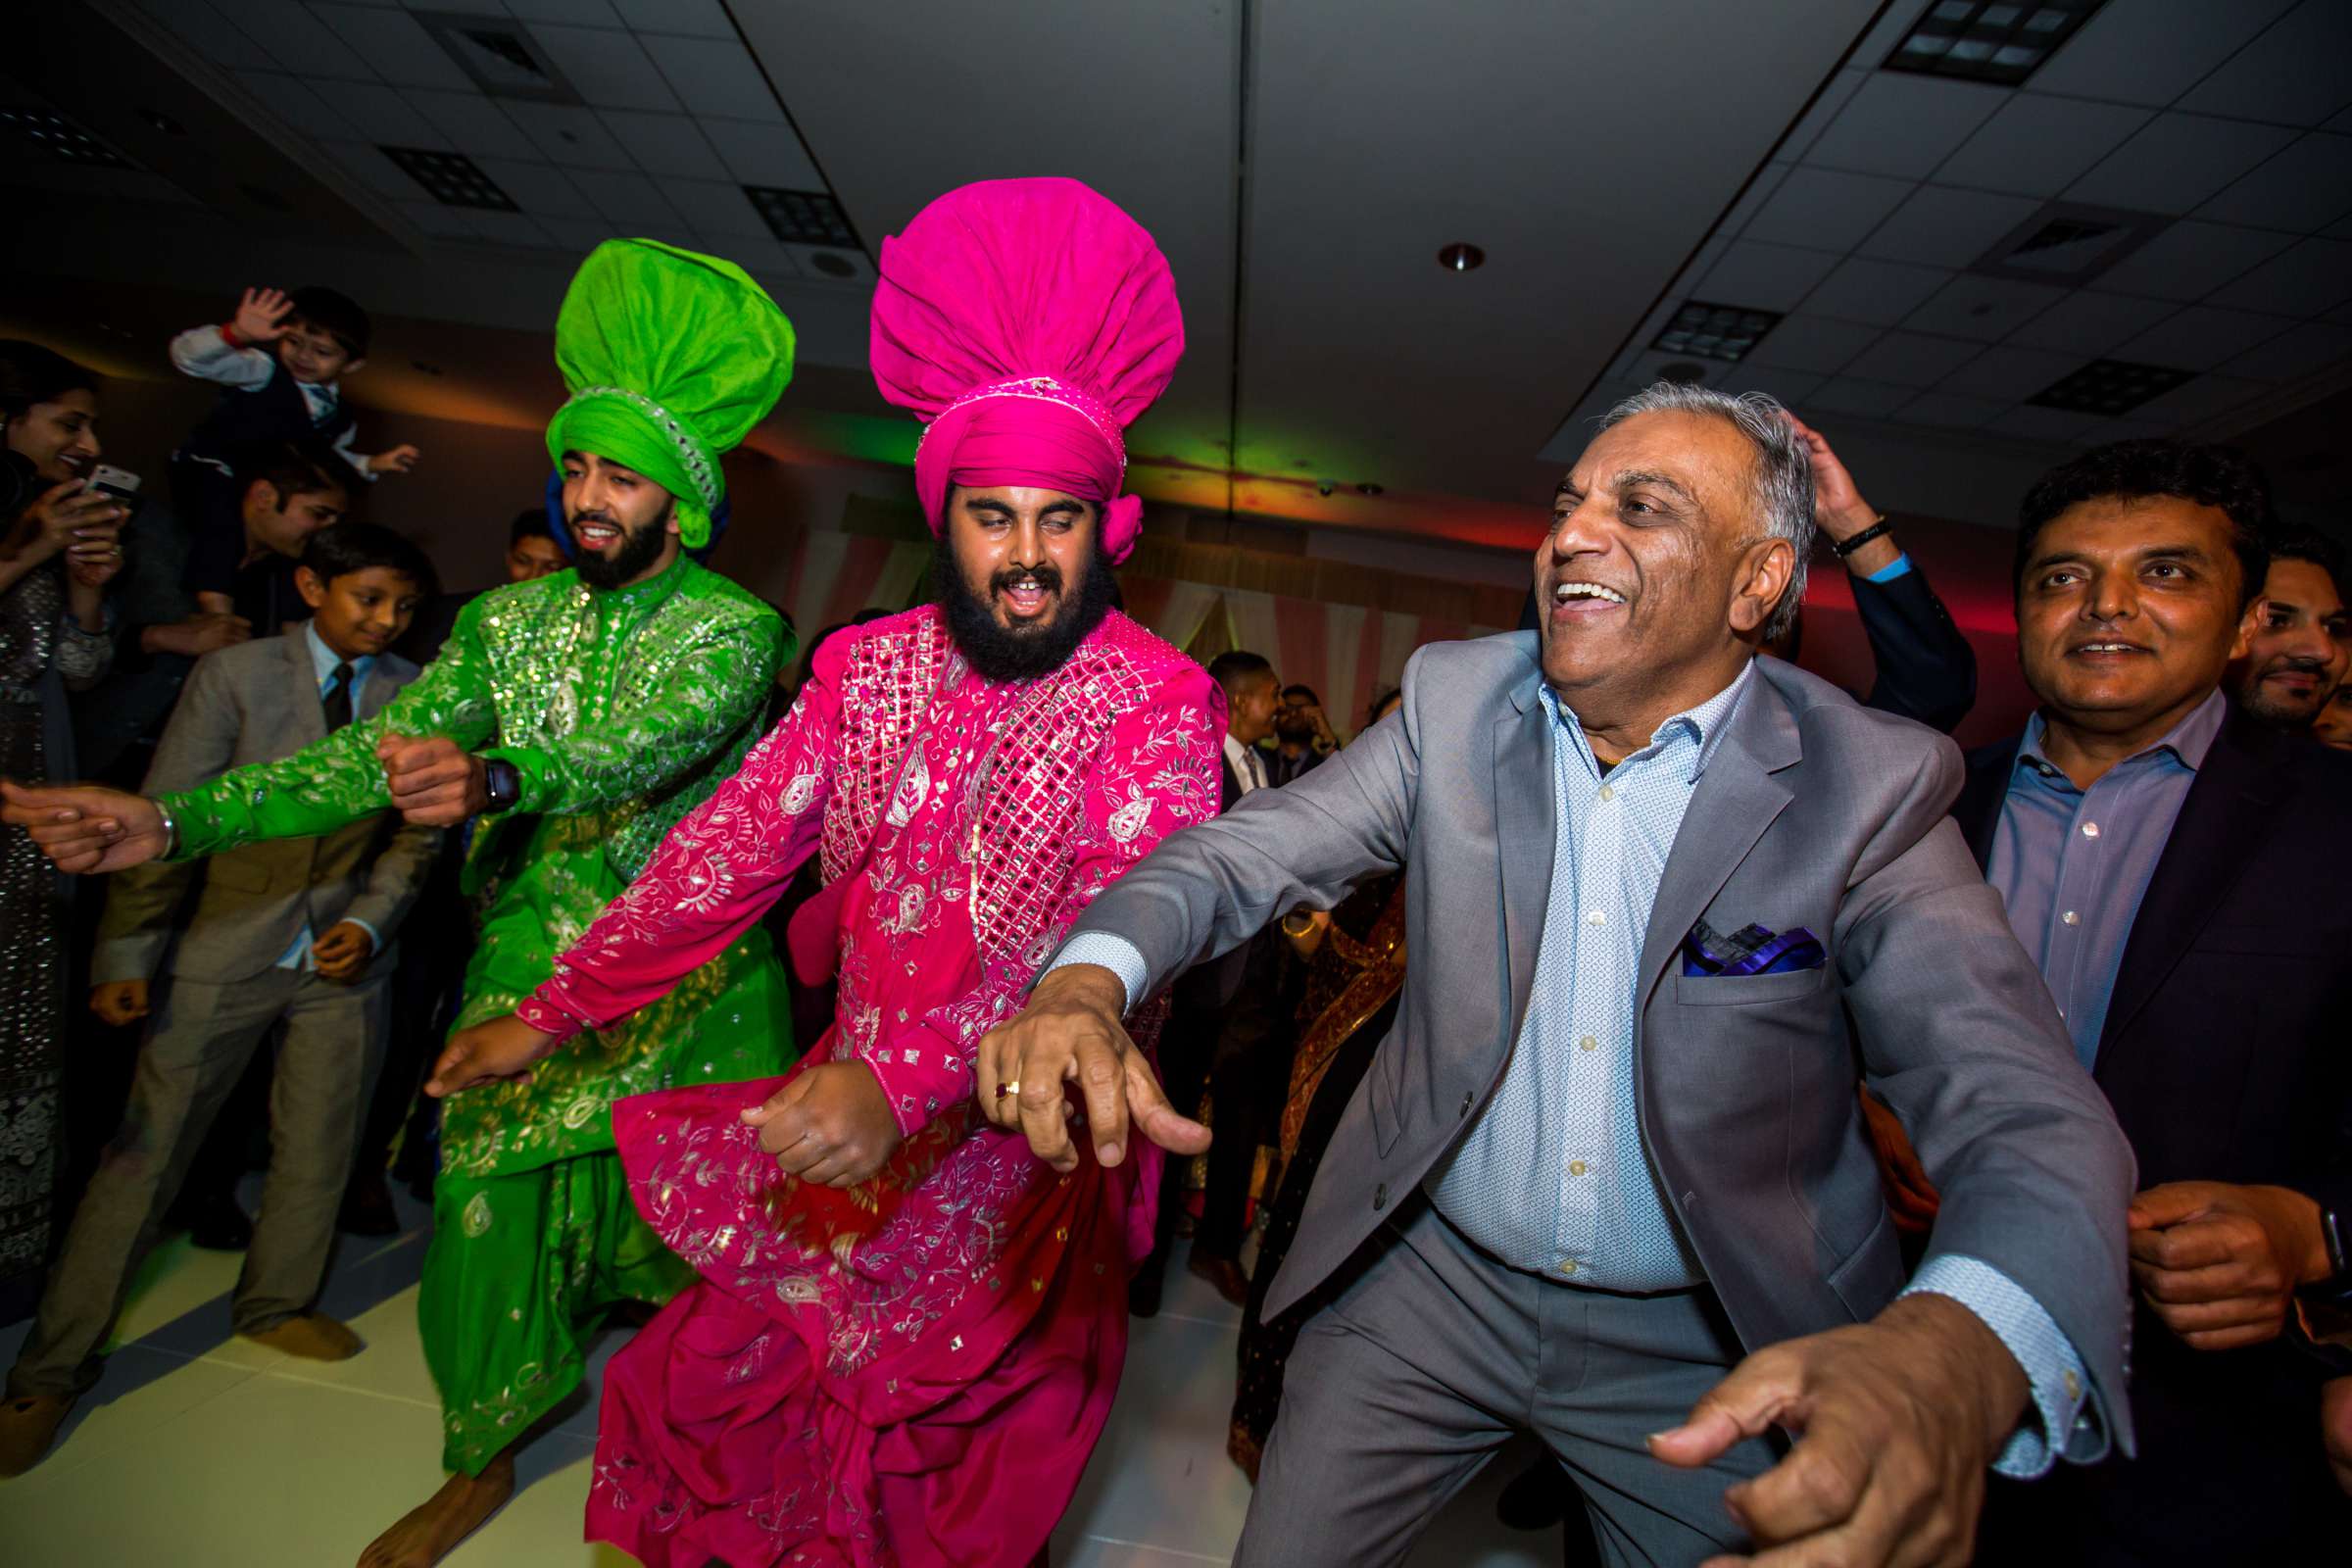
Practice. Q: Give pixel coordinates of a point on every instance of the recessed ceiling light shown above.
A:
(803, 217)
(163, 122)
(2110, 386)
(1715, 332)
(61, 138)
(452, 179)
(2003, 42)
(500, 56)
(1460, 257)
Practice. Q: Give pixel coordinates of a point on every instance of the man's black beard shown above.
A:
(639, 549)
(1020, 653)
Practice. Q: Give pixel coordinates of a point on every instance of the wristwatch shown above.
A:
(502, 781)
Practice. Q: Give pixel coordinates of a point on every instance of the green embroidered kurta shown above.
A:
(621, 711)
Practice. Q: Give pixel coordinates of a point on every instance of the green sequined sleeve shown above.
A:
(338, 780)
(714, 686)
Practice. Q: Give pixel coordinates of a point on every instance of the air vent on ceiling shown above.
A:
(59, 138)
(1714, 331)
(2109, 386)
(452, 179)
(500, 56)
(2002, 41)
(2067, 243)
(803, 217)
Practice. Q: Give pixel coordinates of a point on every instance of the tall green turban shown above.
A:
(670, 358)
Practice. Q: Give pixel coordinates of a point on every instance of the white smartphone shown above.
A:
(121, 483)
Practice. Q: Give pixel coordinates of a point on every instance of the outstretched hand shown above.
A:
(831, 1125)
(1897, 1421)
(86, 828)
(499, 1052)
(1071, 1033)
(261, 315)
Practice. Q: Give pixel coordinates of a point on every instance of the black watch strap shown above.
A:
(1842, 547)
(502, 781)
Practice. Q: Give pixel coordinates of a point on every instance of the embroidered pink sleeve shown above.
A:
(718, 872)
(1156, 774)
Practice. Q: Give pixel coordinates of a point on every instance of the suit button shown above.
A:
(1467, 1101)
(1380, 1196)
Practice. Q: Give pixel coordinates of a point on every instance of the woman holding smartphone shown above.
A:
(59, 548)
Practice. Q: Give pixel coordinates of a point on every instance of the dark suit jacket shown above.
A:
(2226, 1058)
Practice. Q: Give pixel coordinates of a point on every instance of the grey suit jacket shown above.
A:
(1815, 812)
(256, 702)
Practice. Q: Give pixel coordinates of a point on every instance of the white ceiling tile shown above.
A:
(1790, 387)
(1751, 200)
(701, 18)
(1908, 359)
(1882, 41)
(202, 26)
(2305, 349)
(402, 52)
(1904, 124)
(716, 209)
(2304, 187)
(2130, 427)
(2311, 276)
(716, 75)
(509, 228)
(1765, 277)
(2341, 229)
(581, 234)
(2007, 373)
(569, 136)
(442, 222)
(2152, 51)
(298, 40)
(608, 69)
(472, 122)
(2090, 323)
(2036, 145)
(1879, 292)
(1816, 343)
(383, 115)
(2293, 73)
(2206, 397)
(579, 13)
(824, 263)
(471, 8)
(291, 100)
(1826, 210)
(1702, 261)
(1985, 308)
(764, 257)
(2201, 337)
(1949, 410)
(1866, 399)
(2341, 124)
(764, 154)
(1816, 120)
(1940, 227)
(627, 198)
(372, 170)
(665, 144)
(2177, 163)
(2045, 424)
(2341, 315)
(2189, 261)
(539, 189)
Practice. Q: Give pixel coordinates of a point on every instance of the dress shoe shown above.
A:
(312, 1336)
(27, 1427)
(1144, 1289)
(367, 1207)
(216, 1223)
(1537, 1498)
(1224, 1273)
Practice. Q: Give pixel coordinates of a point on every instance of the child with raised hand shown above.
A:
(280, 358)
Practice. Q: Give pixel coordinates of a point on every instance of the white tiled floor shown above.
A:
(201, 1451)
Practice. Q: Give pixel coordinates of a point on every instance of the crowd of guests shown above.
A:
(2166, 836)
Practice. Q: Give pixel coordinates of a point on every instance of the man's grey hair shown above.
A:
(1784, 470)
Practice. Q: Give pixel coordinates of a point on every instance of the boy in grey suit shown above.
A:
(296, 932)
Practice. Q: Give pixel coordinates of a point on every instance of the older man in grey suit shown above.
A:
(1607, 1181)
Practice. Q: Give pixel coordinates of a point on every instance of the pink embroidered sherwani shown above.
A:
(865, 1375)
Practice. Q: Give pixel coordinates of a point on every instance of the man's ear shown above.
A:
(351, 366)
(1765, 569)
(307, 585)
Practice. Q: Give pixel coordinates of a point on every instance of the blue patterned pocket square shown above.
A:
(1750, 949)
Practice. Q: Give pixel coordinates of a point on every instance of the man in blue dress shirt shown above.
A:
(1607, 1181)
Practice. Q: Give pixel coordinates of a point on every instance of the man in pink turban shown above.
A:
(904, 1320)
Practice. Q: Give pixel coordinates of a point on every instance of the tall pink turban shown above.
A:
(1028, 321)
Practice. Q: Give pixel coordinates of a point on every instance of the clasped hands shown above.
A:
(1895, 1421)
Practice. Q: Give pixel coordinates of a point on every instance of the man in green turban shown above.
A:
(576, 717)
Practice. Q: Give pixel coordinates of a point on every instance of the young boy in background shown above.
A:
(281, 359)
(294, 930)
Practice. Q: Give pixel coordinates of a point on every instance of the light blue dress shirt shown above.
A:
(1899, 567)
(1553, 1178)
(324, 661)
